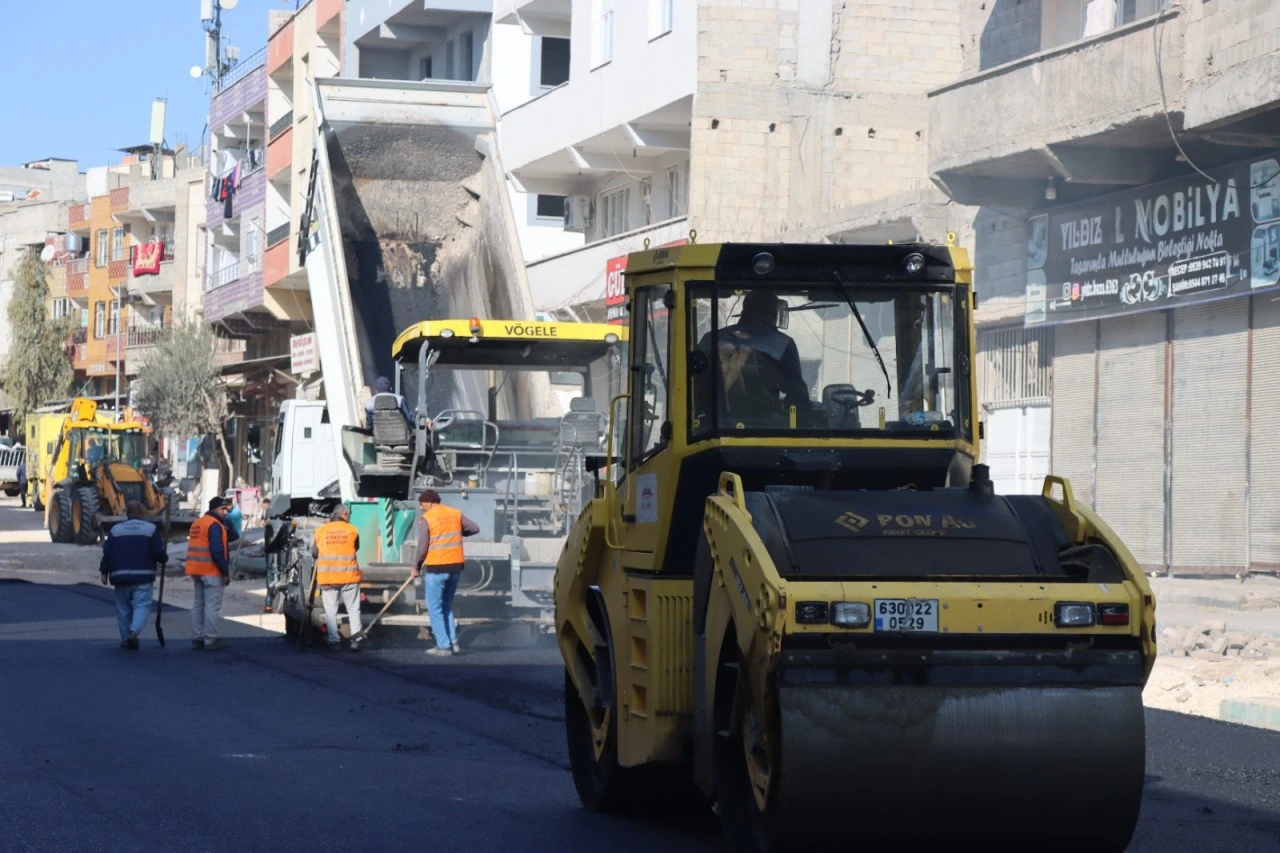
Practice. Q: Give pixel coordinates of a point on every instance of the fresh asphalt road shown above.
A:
(262, 747)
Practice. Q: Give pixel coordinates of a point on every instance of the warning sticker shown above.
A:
(647, 499)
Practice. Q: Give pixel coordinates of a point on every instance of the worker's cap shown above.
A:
(429, 496)
(382, 385)
(218, 503)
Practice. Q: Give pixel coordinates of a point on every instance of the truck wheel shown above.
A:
(12, 492)
(60, 515)
(745, 783)
(86, 515)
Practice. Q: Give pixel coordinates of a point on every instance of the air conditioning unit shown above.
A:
(577, 213)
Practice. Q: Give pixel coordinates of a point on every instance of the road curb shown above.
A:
(1258, 713)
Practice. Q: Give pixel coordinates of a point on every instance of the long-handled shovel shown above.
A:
(160, 605)
(364, 631)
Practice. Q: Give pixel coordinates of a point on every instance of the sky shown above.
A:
(77, 77)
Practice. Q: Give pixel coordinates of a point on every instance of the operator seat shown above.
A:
(582, 427)
(392, 433)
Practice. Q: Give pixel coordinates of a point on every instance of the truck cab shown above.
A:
(304, 465)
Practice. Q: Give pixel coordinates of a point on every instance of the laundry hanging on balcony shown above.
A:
(147, 257)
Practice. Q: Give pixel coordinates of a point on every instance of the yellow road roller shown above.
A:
(797, 598)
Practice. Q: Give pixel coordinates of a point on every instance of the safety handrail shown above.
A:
(608, 466)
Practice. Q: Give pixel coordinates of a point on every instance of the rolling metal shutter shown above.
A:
(1264, 439)
(1131, 457)
(1074, 395)
(1210, 347)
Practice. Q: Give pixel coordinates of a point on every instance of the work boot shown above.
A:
(198, 645)
(439, 652)
(124, 644)
(457, 649)
(132, 642)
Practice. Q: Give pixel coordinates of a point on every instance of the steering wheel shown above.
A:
(852, 399)
(442, 420)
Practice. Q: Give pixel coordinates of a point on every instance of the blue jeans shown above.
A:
(133, 606)
(439, 587)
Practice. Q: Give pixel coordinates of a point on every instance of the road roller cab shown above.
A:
(797, 595)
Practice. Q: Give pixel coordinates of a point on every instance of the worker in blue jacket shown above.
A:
(130, 554)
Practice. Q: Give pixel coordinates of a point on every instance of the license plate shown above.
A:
(906, 614)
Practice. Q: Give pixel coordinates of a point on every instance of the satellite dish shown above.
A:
(47, 253)
(195, 72)
(228, 4)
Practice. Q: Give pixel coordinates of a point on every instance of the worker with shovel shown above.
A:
(129, 557)
(338, 574)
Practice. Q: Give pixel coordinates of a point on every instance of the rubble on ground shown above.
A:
(1211, 641)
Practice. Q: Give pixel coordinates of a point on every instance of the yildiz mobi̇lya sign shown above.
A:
(1159, 246)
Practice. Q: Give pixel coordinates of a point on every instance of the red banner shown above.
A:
(147, 257)
(615, 290)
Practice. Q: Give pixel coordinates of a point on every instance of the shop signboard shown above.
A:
(1167, 245)
(615, 291)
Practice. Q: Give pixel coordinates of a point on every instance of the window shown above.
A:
(602, 32)
(59, 308)
(646, 201)
(661, 13)
(677, 192)
(424, 70)
(117, 244)
(615, 209)
(550, 207)
(113, 324)
(252, 239)
(553, 66)
(99, 320)
(467, 57)
(100, 250)
(448, 61)
(651, 355)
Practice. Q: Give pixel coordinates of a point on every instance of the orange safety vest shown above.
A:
(444, 525)
(337, 564)
(199, 557)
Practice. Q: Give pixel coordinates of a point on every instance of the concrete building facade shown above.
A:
(1124, 158)
(727, 128)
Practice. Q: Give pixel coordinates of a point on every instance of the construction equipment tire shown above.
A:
(602, 785)
(86, 515)
(60, 516)
(747, 828)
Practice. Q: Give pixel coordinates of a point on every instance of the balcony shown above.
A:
(242, 69)
(1083, 112)
(162, 281)
(119, 199)
(78, 277)
(78, 216)
(118, 269)
(280, 153)
(222, 277)
(146, 336)
(280, 125)
(539, 17)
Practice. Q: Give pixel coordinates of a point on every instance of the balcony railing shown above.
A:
(119, 199)
(242, 69)
(78, 215)
(80, 335)
(78, 266)
(222, 277)
(277, 234)
(118, 268)
(281, 124)
(145, 336)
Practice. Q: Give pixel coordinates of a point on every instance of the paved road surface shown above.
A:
(261, 747)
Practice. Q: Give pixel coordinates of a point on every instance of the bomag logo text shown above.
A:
(904, 524)
(521, 330)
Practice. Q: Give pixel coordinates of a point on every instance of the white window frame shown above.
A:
(615, 212)
(117, 243)
(677, 191)
(601, 33)
(662, 15)
(646, 202)
(100, 254)
(99, 320)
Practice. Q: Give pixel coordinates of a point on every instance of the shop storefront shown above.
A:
(1164, 305)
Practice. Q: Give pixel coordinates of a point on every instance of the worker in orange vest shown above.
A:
(440, 556)
(209, 571)
(338, 573)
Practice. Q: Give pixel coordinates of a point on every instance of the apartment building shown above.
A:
(417, 39)
(1124, 158)
(623, 123)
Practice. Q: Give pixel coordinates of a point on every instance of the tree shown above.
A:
(37, 368)
(180, 387)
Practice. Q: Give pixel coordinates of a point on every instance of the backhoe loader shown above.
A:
(94, 469)
(796, 598)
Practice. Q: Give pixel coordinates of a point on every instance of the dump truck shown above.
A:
(92, 470)
(796, 597)
(522, 480)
